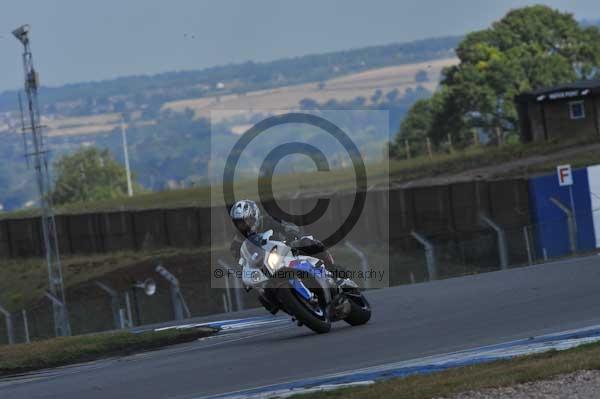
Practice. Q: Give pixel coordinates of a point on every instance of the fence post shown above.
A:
(429, 254)
(10, 333)
(130, 321)
(528, 245)
(58, 303)
(499, 137)
(239, 305)
(180, 308)
(475, 138)
(429, 150)
(26, 326)
(225, 304)
(364, 262)
(228, 294)
(114, 303)
(502, 249)
(570, 223)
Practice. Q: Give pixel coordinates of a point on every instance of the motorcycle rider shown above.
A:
(247, 218)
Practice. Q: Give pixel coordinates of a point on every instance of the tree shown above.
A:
(529, 48)
(86, 175)
(392, 96)
(421, 76)
(308, 103)
(415, 128)
(376, 96)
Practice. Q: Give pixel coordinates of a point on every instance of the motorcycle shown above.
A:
(290, 277)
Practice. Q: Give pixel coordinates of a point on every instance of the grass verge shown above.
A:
(491, 375)
(70, 350)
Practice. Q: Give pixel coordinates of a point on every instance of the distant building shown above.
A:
(561, 111)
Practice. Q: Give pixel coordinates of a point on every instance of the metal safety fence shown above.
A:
(153, 291)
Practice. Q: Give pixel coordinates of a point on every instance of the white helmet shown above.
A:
(246, 217)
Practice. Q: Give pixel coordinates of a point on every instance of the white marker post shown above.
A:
(126, 158)
(565, 179)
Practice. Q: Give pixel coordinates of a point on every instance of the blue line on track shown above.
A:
(432, 364)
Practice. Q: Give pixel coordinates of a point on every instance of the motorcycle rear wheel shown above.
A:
(360, 310)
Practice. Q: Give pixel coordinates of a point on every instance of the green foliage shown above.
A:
(89, 174)
(416, 124)
(529, 48)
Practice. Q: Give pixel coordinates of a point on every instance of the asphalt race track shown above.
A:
(408, 322)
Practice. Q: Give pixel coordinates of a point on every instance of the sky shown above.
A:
(83, 40)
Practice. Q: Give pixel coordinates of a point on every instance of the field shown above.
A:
(344, 88)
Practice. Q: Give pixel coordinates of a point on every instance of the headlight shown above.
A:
(274, 260)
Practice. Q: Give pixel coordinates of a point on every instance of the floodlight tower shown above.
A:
(56, 289)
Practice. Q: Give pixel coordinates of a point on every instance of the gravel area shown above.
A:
(579, 385)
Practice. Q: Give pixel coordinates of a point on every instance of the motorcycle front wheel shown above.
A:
(313, 317)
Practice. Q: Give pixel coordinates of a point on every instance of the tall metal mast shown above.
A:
(56, 288)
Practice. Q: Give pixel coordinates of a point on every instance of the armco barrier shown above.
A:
(83, 232)
(509, 202)
(5, 249)
(402, 220)
(432, 210)
(450, 212)
(182, 227)
(117, 231)
(150, 229)
(203, 219)
(25, 237)
(509, 208)
(469, 201)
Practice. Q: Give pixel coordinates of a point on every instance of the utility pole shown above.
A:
(56, 288)
(126, 156)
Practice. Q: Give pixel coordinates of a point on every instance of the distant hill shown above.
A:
(133, 91)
